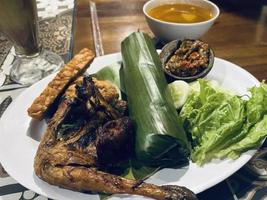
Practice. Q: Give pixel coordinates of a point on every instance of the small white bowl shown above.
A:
(168, 31)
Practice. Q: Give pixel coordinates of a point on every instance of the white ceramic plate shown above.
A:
(20, 134)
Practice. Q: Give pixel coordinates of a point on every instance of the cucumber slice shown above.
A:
(179, 92)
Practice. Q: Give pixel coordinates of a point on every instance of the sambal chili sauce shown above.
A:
(191, 58)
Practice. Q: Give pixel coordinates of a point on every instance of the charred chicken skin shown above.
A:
(86, 134)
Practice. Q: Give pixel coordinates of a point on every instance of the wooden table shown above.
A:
(239, 34)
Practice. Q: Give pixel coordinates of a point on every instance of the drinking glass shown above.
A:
(18, 22)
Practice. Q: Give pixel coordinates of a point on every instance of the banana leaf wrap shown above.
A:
(160, 138)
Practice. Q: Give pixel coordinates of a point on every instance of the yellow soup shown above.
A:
(180, 13)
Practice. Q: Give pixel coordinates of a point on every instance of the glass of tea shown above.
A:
(18, 22)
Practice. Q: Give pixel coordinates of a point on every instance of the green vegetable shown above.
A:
(111, 73)
(195, 87)
(253, 139)
(179, 92)
(256, 110)
(224, 125)
(214, 118)
(257, 104)
(160, 138)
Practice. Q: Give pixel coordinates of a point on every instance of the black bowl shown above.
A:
(166, 53)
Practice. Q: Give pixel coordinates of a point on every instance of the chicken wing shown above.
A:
(73, 156)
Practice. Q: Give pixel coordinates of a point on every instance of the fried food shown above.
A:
(70, 92)
(70, 154)
(58, 85)
(107, 89)
(115, 141)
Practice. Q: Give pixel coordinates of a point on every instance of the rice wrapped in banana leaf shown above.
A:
(160, 138)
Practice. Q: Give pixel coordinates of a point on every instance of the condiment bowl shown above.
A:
(168, 31)
(166, 53)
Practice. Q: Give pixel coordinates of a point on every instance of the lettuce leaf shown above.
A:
(257, 104)
(253, 139)
(256, 109)
(224, 125)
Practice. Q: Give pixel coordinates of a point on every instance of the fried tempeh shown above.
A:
(63, 79)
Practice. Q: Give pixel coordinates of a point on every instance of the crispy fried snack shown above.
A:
(58, 85)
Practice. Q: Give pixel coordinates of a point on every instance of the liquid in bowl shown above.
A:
(181, 13)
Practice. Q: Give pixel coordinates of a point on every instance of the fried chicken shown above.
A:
(85, 136)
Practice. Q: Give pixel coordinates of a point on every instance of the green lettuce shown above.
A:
(253, 139)
(256, 110)
(222, 124)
